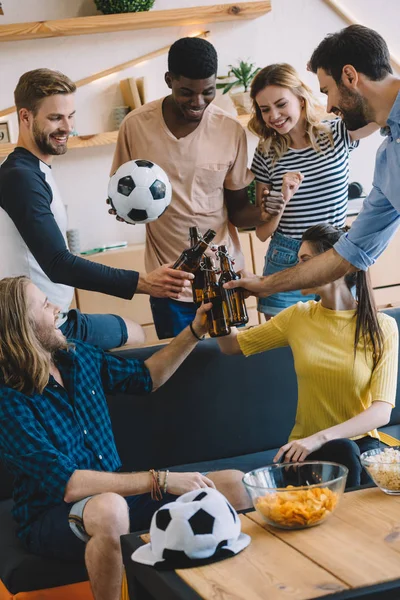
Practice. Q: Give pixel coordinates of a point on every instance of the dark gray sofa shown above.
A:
(216, 412)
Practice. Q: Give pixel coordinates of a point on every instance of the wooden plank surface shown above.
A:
(78, 141)
(267, 569)
(359, 543)
(195, 15)
(115, 69)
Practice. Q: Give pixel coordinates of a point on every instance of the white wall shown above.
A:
(288, 33)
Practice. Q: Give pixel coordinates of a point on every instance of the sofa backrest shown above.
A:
(214, 406)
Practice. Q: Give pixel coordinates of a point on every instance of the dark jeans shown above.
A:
(347, 452)
(104, 331)
(171, 316)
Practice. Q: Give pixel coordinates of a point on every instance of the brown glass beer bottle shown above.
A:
(190, 258)
(217, 324)
(233, 300)
(198, 281)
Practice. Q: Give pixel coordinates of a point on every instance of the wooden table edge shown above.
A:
(168, 585)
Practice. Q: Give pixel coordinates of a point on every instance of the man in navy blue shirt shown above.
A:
(33, 220)
(69, 499)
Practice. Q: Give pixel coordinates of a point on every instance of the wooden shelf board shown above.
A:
(79, 141)
(195, 15)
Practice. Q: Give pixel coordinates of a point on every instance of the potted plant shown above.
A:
(240, 77)
(110, 7)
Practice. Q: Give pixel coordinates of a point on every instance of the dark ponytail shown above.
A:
(323, 237)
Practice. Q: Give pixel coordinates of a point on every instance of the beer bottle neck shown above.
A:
(209, 274)
(194, 236)
(226, 264)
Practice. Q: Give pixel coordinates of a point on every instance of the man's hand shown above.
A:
(272, 204)
(251, 284)
(199, 323)
(298, 450)
(290, 184)
(164, 282)
(180, 483)
(112, 211)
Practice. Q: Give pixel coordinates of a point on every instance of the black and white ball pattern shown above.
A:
(139, 191)
(198, 525)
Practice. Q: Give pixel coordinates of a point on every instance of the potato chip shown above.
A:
(297, 508)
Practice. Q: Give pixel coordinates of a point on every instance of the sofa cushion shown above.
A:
(21, 571)
(6, 483)
(244, 463)
(215, 406)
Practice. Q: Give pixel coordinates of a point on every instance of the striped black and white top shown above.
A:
(322, 197)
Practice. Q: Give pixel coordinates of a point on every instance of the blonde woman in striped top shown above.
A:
(293, 139)
(345, 356)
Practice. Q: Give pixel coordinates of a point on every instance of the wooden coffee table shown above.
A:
(355, 554)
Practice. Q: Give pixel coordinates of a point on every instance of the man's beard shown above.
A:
(50, 341)
(354, 109)
(42, 140)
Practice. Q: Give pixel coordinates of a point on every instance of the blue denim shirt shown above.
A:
(379, 218)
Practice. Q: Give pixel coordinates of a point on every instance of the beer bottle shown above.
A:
(233, 300)
(198, 281)
(217, 325)
(190, 259)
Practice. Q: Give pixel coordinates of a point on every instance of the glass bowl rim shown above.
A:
(368, 461)
(297, 487)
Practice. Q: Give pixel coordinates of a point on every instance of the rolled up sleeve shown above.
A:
(371, 232)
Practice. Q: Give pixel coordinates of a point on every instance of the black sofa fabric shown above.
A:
(216, 412)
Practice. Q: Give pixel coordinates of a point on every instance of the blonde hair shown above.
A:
(24, 363)
(271, 142)
(36, 85)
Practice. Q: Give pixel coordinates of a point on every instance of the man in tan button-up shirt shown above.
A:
(203, 150)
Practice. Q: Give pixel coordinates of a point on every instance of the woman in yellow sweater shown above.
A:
(345, 356)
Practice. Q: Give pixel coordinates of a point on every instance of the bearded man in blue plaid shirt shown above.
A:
(57, 441)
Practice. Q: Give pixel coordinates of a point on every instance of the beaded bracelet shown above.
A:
(165, 482)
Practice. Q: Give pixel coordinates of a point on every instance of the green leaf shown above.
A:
(229, 86)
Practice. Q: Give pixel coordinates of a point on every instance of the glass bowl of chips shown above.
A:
(296, 495)
(383, 465)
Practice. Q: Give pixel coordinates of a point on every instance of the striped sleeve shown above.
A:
(269, 335)
(260, 167)
(384, 376)
(341, 133)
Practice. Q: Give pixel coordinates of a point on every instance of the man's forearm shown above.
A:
(248, 216)
(163, 364)
(88, 483)
(318, 271)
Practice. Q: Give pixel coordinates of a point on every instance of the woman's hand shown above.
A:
(298, 450)
(199, 323)
(180, 483)
(290, 184)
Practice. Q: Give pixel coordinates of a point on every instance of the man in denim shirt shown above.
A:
(70, 500)
(354, 71)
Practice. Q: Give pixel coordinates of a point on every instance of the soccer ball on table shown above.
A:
(139, 191)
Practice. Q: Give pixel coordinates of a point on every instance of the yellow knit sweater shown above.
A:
(333, 386)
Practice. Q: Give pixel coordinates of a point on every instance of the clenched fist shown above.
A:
(290, 185)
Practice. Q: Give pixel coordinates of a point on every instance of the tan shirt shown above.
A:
(199, 166)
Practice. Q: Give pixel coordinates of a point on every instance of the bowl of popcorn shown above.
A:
(383, 465)
(296, 495)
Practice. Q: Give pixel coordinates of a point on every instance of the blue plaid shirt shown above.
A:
(46, 437)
